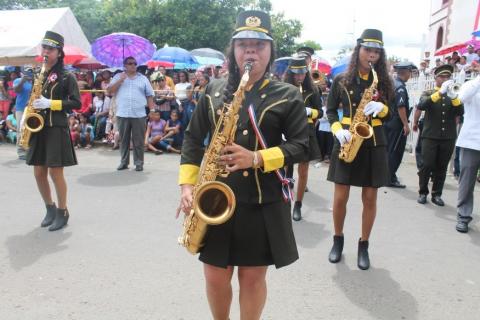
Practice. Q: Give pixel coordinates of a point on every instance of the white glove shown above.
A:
(308, 111)
(373, 107)
(343, 136)
(42, 103)
(445, 85)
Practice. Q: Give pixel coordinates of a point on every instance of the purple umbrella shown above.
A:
(113, 48)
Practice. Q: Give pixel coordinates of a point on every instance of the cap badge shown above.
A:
(253, 22)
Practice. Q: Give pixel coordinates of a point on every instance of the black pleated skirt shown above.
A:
(256, 235)
(313, 148)
(369, 169)
(51, 147)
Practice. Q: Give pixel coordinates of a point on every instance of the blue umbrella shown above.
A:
(180, 57)
(280, 65)
(340, 66)
(476, 33)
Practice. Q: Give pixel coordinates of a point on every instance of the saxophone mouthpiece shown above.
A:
(248, 65)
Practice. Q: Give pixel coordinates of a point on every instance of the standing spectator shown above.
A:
(325, 137)
(164, 95)
(12, 127)
(455, 57)
(168, 80)
(188, 108)
(181, 87)
(469, 143)
(462, 64)
(200, 88)
(471, 55)
(4, 97)
(89, 78)
(216, 72)
(106, 78)
(438, 62)
(10, 86)
(23, 88)
(85, 98)
(133, 92)
(438, 135)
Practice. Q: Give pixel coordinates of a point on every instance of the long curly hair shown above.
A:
(385, 85)
(234, 72)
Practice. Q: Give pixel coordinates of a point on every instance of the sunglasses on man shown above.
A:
(131, 63)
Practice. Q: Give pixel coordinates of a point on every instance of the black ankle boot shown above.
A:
(49, 216)
(61, 219)
(336, 252)
(297, 211)
(363, 260)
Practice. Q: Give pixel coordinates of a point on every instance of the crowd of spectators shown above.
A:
(459, 62)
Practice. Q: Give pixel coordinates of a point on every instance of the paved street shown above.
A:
(118, 258)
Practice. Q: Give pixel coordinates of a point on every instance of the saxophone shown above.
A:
(214, 201)
(32, 120)
(359, 127)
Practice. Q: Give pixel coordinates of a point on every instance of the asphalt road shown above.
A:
(118, 258)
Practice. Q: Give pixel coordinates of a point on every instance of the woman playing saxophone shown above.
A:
(367, 167)
(259, 233)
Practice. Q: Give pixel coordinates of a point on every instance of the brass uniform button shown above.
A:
(263, 96)
(217, 94)
(245, 173)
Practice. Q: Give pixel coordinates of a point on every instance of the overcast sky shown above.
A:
(337, 23)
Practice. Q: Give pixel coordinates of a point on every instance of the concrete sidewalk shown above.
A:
(119, 259)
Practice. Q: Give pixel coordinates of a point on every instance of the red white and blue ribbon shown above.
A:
(286, 191)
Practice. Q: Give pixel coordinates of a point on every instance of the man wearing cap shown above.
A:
(397, 128)
(299, 76)
(307, 53)
(22, 87)
(442, 108)
(471, 55)
(469, 144)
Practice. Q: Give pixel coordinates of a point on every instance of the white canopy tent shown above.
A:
(22, 30)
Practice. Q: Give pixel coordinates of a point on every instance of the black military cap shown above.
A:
(404, 65)
(371, 38)
(298, 65)
(305, 51)
(53, 39)
(253, 24)
(445, 69)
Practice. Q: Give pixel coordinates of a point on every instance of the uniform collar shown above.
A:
(259, 85)
(363, 76)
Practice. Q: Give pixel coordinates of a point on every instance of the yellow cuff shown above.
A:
(336, 126)
(456, 102)
(383, 113)
(272, 158)
(188, 174)
(314, 114)
(56, 105)
(436, 96)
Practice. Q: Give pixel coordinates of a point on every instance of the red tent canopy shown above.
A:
(72, 55)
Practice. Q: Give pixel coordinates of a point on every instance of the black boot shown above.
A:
(49, 216)
(61, 219)
(336, 252)
(297, 211)
(363, 260)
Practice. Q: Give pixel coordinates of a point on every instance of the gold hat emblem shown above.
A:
(253, 21)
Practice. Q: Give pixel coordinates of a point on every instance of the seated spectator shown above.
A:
(155, 132)
(172, 132)
(72, 126)
(11, 122)
(85, 130)
(3, 128)
(101, 105)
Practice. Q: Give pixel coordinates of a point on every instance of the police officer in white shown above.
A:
(469, 142)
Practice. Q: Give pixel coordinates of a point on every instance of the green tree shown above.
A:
(310, 43)
(285, 31)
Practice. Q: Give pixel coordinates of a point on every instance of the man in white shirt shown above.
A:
(469, 143)
(471, 55)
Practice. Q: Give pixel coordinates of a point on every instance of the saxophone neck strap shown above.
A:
(287, 192)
